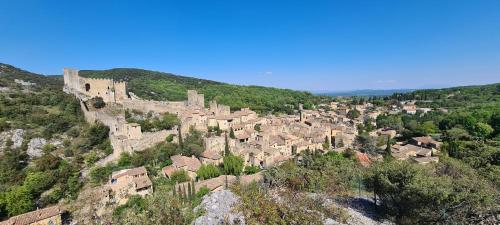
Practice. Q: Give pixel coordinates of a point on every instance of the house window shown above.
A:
(113, 181)
(87, 87)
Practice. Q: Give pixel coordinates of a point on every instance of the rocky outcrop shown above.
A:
(15, 136)
(35, 147)
(218, 209)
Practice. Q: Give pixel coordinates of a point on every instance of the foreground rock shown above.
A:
(218, 209)
(361, 212)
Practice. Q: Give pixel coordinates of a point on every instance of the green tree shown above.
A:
(232, 165)
(482, 130)
(353, 114)
(18, 200)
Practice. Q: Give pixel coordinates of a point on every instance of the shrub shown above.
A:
(208, 171)
(252, 169)
(180, 176)
(98, 102)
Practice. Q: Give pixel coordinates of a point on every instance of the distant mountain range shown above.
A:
(364, 92)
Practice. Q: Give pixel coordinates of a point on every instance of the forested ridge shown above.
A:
(41, 110)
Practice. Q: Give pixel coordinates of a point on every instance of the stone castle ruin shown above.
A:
(108, 89)
(128, 137)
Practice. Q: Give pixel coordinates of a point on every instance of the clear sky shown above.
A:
(306, 45)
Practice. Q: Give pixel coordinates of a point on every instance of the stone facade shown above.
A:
(127, 182)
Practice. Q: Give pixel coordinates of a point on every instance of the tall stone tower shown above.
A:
(195, 99)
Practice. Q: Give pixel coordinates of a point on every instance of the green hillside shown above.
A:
(454, 97)
(165, 86)
(41, 110)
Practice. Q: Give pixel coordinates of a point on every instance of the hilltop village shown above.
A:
(260, 141)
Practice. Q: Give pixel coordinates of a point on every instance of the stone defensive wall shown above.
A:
(154, 106)
(121, 144)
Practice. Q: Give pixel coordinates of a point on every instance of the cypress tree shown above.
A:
(231, 133)
(179, 192)
(193, 189)
(181, 143)
(388, 149)
(190, 194)
(226, 147)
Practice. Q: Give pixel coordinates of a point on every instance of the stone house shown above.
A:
(211, 157)
(409, 107)
(45, 216)
(127, 182)
(179, 162)
(426, 142)
(390, 133)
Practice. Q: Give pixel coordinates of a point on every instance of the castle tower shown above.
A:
(71, 80)
(195, 99)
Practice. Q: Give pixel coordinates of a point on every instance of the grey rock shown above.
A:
(17, 138)
(35, 147)
(218, 207)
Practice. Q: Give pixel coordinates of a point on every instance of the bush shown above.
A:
(170, 138)
(208, 171)
(251, 169)
(448, 192)
(97, 134)
(180, 176)
(98, 102)
(100, 175)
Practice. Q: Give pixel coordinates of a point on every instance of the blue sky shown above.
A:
(306, 45)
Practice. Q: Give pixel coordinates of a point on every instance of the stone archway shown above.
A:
(87, 87)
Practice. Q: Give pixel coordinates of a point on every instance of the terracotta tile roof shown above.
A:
(34, 216)
(192, 163)
(142, 182)
(425, 140)
(168, 170)
(242, 135)
(211, 155)
(363, 159)
(130, 172)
